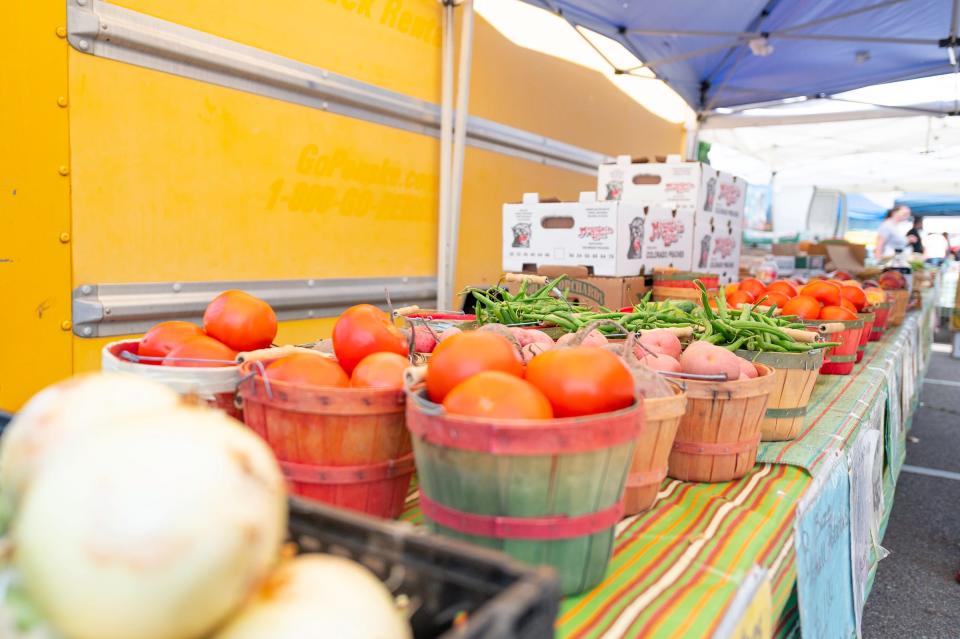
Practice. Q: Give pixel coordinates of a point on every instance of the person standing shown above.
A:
(915, 235)
(889, 236)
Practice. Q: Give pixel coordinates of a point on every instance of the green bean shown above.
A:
(737, 343)
(714, 339)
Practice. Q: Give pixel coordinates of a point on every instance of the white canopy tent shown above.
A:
(847, 142)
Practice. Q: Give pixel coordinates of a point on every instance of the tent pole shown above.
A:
(446, 141)
(692, 140)
(460, 137)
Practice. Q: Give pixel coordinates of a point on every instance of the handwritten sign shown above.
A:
(822, 539)
(750, 614)
(863, 531)
(874, 420)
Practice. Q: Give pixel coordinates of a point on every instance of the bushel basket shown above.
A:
(344, 446)
(543, 491)
(719, 434)
(795, 375)
(214, 385)
(649, 466)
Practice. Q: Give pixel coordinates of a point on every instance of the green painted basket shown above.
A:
(543, 491)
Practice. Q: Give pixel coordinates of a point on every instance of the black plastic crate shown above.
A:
(456, 590)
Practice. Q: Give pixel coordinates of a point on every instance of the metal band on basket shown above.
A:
(718, 448)
(840, 359)
(549, 527)
(312, 474)
(777, 413)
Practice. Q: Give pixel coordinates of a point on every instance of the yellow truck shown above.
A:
(157, 152)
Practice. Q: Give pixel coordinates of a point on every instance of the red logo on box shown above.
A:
(679, 187)
(669, 231)
(595, 233)
(723, 246)
(730, 193)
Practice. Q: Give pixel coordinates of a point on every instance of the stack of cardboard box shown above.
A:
(681, 215)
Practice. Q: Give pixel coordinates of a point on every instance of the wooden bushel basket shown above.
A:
(649, 467)
(795, 375)
(678, 285)
(901, 298)
(546, 491)
(719, 434)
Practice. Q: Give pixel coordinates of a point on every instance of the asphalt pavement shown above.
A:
(916, 594)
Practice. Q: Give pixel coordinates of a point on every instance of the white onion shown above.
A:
(61, 411)
(154, 527)
(320, 596)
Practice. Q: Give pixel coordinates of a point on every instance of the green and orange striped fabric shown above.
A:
(676, 569)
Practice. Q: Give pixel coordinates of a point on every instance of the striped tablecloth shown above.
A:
(676, 569)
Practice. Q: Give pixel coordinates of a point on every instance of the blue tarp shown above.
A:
(701, 47)
(863, 213)
(926, 204)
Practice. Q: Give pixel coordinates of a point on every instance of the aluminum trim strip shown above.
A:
(101, 310)
(116, 33)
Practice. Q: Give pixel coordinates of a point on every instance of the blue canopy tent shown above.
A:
(863, 213)
(927, 204)
(733, 54)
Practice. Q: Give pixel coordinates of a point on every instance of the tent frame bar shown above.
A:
(746, 36)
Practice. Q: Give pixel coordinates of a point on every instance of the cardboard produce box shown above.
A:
(590, 290)
(611, 238)
(713, 199)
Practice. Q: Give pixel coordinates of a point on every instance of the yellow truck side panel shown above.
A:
(172, 179)
(394, 44)
(540, 93)
(178, 179)
(35, 234)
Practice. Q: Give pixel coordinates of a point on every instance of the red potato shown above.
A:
(595, 339)
(531, 336)
(661, 341)
(703, 358)
(661, 362)
(423, 339)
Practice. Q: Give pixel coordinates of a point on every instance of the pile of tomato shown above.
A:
(233, 322)
(371, 352)
(820, 299)
(481, 374)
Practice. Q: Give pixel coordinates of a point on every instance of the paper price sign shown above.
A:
(750, 613)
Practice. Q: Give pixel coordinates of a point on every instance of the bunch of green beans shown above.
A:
(748, 329)
(540, 308)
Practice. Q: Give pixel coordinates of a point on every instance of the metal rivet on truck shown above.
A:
(62, 101)
(61, 32)
(66, 325)
(63, 170)
(64, 238)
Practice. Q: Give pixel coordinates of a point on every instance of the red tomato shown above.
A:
(165, 336)
(241, 321)
(497, 395)
(582, 380)
(827, 293)
(730, 289)
(803, 306)
(855, 296)
(305, 369)
(847, 305)
(364, 329)
(753, 286)
(465, 355)
(784, 287)
(740, 297)
(837, 313)
(776, 299)
(202, 347)
(380, 370)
